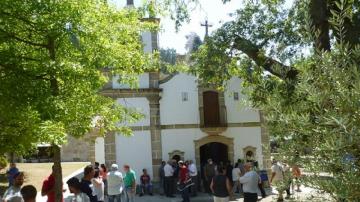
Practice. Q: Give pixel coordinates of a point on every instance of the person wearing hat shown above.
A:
(115, 184)
(193, 175)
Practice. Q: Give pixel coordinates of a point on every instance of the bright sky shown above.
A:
(214, 10)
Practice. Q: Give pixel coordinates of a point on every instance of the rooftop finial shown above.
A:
(206, 25)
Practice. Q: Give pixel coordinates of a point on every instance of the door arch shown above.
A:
(228, 142)
(217, 151)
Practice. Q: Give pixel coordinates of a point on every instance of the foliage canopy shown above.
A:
(300, 64)
(53, 62)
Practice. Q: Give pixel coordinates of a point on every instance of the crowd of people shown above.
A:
(225, 180)
(99, 184)
(222, 181)
(16, 192)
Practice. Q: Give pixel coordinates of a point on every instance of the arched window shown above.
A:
(249, 153)
(177, 155)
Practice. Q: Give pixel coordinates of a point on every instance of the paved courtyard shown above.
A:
(306, 195)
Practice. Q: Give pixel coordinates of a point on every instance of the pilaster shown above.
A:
(110, 148)
(91, 143)
(265, 142)
(155, 132)
(154, 79)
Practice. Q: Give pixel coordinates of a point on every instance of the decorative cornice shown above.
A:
(244, 124)
(190, 126)
(151, 19)
(126, 93)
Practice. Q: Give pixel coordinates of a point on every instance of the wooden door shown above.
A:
(211, 109)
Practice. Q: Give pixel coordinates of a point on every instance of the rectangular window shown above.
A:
(236, 96)
(184, 96)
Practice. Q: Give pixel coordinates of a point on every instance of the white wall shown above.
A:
(100, 150)
(135, 151)
(243, 137)
(172, 109)
(146, 40)
(140, 104)
(143, 82)
(180, 139)
(238, 111)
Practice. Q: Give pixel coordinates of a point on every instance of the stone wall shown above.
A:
(76, 150)
(80, 149)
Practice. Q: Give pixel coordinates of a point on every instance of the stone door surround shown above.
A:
(229, 142)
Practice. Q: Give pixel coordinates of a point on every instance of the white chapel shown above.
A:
(182, 120)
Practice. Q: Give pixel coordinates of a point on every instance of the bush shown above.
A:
(3, 162)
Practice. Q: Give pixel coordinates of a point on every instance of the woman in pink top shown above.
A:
(103, 174)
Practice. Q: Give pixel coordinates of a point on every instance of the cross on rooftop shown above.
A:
(206, 25)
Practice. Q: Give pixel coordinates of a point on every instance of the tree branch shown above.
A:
(23, 73)
(18, 17)
(13, 36)
(271, 65)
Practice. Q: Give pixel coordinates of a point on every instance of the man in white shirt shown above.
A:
(250, 183)
(276, 172)
(193, 174)
(115, 184)
(277, 177)
(169, 180)
(236, 173)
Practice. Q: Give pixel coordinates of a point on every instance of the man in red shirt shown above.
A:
(48, 187)
(183, 182)
(146, 185)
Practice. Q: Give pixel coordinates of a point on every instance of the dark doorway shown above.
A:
(177, 158)
(211, 109)
(218, 152)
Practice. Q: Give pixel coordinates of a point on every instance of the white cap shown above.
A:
(114, 167)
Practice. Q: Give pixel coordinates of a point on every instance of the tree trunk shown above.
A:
(319, 13)
(58, 173)
(54, 86)
(12, 157)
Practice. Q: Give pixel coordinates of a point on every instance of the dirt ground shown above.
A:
(35, 173)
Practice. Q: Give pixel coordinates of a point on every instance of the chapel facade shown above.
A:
(183, 121)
